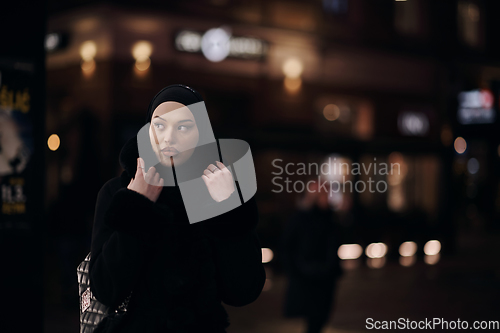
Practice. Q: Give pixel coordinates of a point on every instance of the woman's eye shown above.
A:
(183, 128)
(159, 126)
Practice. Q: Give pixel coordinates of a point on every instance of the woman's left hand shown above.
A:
(220, 182)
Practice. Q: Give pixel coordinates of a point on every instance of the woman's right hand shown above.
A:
(149, 184)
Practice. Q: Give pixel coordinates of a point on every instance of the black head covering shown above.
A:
(204, 154)
(174, 93)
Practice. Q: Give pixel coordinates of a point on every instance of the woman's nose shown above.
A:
(169, 135)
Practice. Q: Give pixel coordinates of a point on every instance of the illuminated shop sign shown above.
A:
(413, 123)
(476, 107)
(217, 44)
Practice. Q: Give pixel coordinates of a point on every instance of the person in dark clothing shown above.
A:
(309, 246)
(144, 245)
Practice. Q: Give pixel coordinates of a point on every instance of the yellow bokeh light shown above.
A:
(53, 142)
(331, 112)
(292, 85)
(460, 145)
(88, 50)
(292, 68)
(88, 66)
(143, 65)
(141, 51)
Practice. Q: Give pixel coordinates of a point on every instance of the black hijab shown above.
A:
(183, 184)
(174, 93)
(204, 154)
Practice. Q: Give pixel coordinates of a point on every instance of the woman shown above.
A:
(143, 242)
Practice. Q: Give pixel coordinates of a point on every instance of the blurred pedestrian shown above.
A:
(309, 246)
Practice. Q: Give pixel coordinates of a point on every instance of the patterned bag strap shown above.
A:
(84, 286)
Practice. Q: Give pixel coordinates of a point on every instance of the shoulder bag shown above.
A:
(93, 312)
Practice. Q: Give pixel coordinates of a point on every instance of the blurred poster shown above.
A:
(16, 142)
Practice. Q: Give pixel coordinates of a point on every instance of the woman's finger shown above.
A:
(138, 171)
(205, 179)
(149, 175)
(222, 167)
(207, 173)
(156, 179)
(213, 168)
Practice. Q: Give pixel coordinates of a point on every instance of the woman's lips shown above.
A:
(170, 151)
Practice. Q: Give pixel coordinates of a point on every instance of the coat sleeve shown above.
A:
(125, 233)
(237, 254)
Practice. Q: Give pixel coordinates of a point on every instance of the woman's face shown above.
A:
(173, 133)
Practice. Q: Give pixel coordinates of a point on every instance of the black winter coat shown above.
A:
(178, 272)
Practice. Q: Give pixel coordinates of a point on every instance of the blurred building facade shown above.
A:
(298, 80)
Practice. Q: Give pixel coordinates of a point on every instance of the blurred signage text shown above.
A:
(218, 43)
(476, 107)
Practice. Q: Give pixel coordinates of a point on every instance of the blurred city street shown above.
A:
(460, 287)
(368, 161)
(463, 287)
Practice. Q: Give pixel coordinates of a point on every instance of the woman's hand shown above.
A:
(149, 184)
(220, 182)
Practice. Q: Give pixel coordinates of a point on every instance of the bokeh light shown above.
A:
(376, 262)
(53, 142)
(292, 85)
(407, 249)
(432, 259)
(432, 247)
(88, 66)
(141, 51)
(473, 166)
(292, 68)
(349, 251)
(407, 261)
(376, 250)
(267, 255)
(88, 50)
(142, 65)
(460, 145)
(331, 112)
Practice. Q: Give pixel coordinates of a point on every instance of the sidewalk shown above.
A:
(465, 287)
